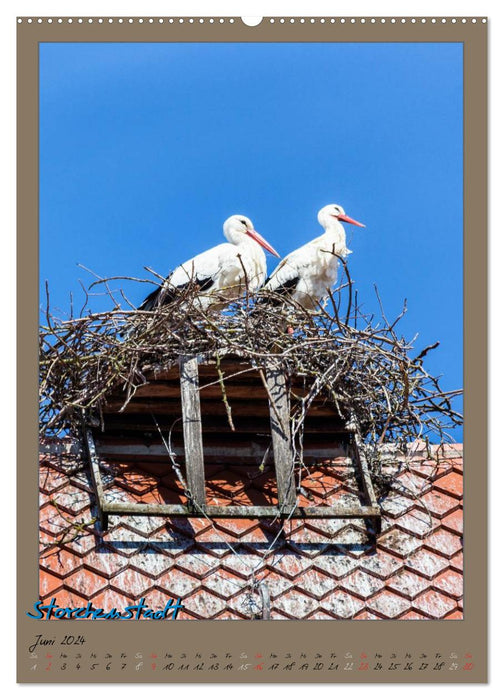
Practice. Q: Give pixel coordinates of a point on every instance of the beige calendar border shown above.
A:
(469, 634)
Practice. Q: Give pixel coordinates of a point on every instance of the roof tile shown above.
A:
(314, 583)
(429, 469)
(413, 615)
(66, 598)
(105, 561)
(49, 584)
(382, 564)
(400, 543)
(438, 504)
(412, 485)
(246, 604)
(362, 584)
(388, 605)
(342, 605)
(396, 504)
(418, 521)
(444, 542)
(296, 607)
(132, 583)
(52, 520)
(434, 604)
(137, 482)
(366, 615)
(457, 562)
(291, 565)
(109, 598)
(455, 615)
(124, 540)
(336, 565)
(346, 531)
(458, 465)
(85, 582)
(197, 562)
(450, 583)
(455, 521)
(149, 561)
(408, 584)
(427, 564)
(204, 605)
(315, 570)
(81, 543)
(321, 615)
(60, 562)
(242, 562)
(222, 583)
(50, 479)
(277, 583)
(73, 501)
(451, 484)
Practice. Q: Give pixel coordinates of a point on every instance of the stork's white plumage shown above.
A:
(308, 273)
(221, 273)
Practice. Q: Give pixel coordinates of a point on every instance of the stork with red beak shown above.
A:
(222, 273)
(308, 273)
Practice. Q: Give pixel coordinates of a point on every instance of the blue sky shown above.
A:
(145, 149)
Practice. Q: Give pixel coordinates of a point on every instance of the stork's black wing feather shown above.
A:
(164, 294)
(284, 290)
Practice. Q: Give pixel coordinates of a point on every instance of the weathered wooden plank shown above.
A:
(279, 406)
(251, 452)
(211, 407)
(96, 477)
(316, 512)
(361, 460)
(168, 390)
(208, 369)
(133, 423)
(191, 420)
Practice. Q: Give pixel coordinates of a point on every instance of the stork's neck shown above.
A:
(334, 234)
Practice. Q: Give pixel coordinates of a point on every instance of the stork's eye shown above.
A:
(242, 221)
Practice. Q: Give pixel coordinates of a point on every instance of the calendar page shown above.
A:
(259, 253)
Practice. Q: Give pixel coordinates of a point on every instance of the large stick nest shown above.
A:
(358, 362)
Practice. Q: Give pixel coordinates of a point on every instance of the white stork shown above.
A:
(222, 272)
(308, 273)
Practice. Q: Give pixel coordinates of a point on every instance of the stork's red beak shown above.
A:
(262, 241)
(349, 220)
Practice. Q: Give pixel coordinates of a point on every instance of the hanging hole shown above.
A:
(252, 21)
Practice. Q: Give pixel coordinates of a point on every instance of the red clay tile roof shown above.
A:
(314, 569)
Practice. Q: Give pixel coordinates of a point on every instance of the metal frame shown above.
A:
(279, 407)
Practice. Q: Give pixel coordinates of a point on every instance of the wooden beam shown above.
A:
(132, 423)
(253, 512)
(191, 420)
(210, 407)
(279, 406)
(360, 458)
(251, 452)
(96, 477)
